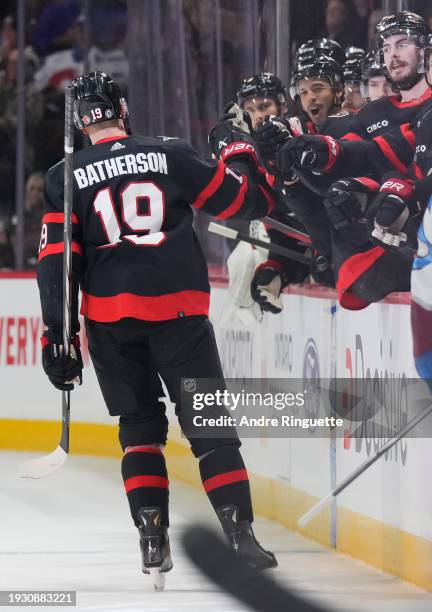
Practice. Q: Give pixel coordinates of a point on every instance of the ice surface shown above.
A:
(73, 531)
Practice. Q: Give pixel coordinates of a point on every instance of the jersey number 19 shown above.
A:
(145, 225)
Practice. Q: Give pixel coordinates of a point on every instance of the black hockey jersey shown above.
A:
(405, 148)
(135, 252)
(308, 209)
(336, 126)
(379, 116)
(422, 164)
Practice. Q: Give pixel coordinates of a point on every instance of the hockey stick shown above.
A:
(292, 232)
(227, 232)
(316, 509)
(257, 590)
(43, 466)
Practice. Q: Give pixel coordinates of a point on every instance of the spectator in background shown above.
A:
(8, 123)
(343, 24)
(61, 67)
(58, 68)
(34, 208)
(362, 8)
(375, 16)
(55, 26)
(108, 27)
(8, 38)
(427, 14)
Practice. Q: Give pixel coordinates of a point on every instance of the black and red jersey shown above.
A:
(380, 116)
(405, 148)
(337, 125)
(422, 163)
(135, 253)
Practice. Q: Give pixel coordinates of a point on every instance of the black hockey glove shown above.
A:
(232, 133)
(63, 370)
(266, 288)
(307, 152)
(321, 271)
(347, 200)
(390, 211)
(270, 136)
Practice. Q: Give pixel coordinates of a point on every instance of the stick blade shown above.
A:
(43, 466)
(222, 230)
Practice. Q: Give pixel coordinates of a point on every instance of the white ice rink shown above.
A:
(73, 531)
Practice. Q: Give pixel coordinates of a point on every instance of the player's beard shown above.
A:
(408, 81)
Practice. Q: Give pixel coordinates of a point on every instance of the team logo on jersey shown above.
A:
(86, 120)
(109, 114)
(377, 126)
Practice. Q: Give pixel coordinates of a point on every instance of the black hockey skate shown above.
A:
(242, 540)
(154, 544)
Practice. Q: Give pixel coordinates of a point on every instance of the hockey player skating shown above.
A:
(145, 299)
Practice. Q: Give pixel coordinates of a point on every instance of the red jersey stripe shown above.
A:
(236, 204)
(58, 247)
(136, 482)
(143, 449)
(369, 183)
(211, 188)
(351, 136)
(146, 308)
(57, 218)
(110, 138)
(268, 196)
(417, 171)
(390, 154)
(395, 100)
(408, 134)
(221, 480)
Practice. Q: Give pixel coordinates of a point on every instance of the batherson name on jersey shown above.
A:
(123, 164)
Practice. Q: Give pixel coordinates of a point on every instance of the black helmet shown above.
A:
(319, 46)
(411, 25)
(331, 48)
(319, 67)
(263, 84)
(98, 98)
(352, 71)
(354, 53)
(306, 51)
(428, 54)
(370, 68)
(402, 23)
